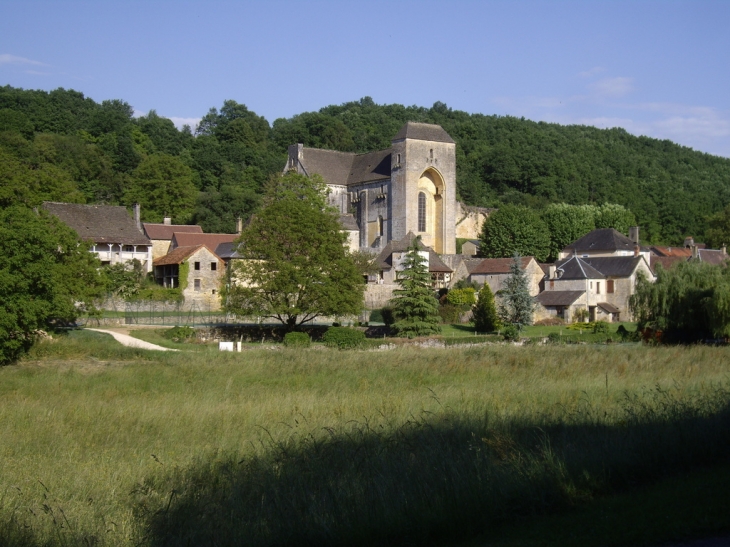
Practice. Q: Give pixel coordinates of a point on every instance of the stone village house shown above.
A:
(115, 236)
(204, 273)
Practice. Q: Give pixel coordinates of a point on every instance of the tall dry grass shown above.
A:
(104, 445)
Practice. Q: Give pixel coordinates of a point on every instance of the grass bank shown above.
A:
(107, 445)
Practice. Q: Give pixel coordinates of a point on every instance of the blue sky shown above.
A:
(657, 68)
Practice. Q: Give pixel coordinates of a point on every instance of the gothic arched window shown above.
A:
(421, 212)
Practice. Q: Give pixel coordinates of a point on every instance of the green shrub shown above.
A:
(600, 327)
(179, 334)
(450, 314)
(628, 335)
(461, 297)
(511, 333)
(343, 338)
(297, 340)
(555, 338)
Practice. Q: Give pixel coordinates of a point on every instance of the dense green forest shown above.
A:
(63, 146)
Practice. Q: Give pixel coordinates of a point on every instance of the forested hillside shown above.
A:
(62, 146)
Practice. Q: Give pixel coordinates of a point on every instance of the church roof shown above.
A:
(334, 167)
(423, 132)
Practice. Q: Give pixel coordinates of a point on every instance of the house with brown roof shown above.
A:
(161, 235)
(115, 236)
(495, 271)
(223, 245)
(200, 279)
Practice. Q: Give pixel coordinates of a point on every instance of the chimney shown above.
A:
(724, 249)
(637, 249)
(695, 252)
(689, 241)
(137, 220)
(167, 221)
(551, 271)
(239, 225)
(634, 234)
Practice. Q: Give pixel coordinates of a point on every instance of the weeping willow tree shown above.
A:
(688, 302)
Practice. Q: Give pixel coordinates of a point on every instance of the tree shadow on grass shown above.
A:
(433, 478)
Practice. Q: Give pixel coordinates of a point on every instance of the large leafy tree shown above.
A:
(414, 305)
(294, 266)
(47, 277)
(688, 302)
(514, 229)
(718, 228)
(515, 303)
(566, 223)
(163, 185)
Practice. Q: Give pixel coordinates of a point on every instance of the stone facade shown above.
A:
(410, 187)
(205, 272)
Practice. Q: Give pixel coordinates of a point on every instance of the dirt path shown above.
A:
(132, 342)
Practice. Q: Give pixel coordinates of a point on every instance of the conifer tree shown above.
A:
(515, 303)
(414, 305)
(484, 312)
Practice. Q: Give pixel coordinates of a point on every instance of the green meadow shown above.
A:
(481, 445)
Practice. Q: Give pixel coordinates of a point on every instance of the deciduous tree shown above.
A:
(47, 277)
(514, 229)
(295, 266)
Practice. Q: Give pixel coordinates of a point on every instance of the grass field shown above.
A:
(105, 445)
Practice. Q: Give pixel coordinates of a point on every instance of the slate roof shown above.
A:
(614, 266)
(348, 222)
(603, 239)
(558, 298)
(423, 132)
(610, 308)
(498, 265)
(180, 255)
(346, 168)
(227, 251)
(576, 268)
(165, 231)
(99, 223)
(712, 256)
(385, 258)
(370, 167)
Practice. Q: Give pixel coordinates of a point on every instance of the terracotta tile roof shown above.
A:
(99, 223)
(499, 265)
(165, 231)
(603, 239)
(179, 255)
(666, 262)
(423, 132)
(558, 298)
(685, 252)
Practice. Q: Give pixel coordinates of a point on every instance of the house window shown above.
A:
(430, 153)
(598, 287)
(421, 212)
(213, 266)
(398, 162)
(197, 266)
(196, 285)
(609, 286)
(380, 225)
(128, 248)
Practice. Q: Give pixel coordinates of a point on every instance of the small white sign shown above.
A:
(225, 346)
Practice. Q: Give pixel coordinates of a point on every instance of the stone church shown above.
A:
(384, 195)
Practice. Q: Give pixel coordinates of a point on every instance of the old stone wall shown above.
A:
(378, 296)
(204, 280)
(469, 220)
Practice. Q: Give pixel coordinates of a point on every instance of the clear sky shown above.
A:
(657, 68)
